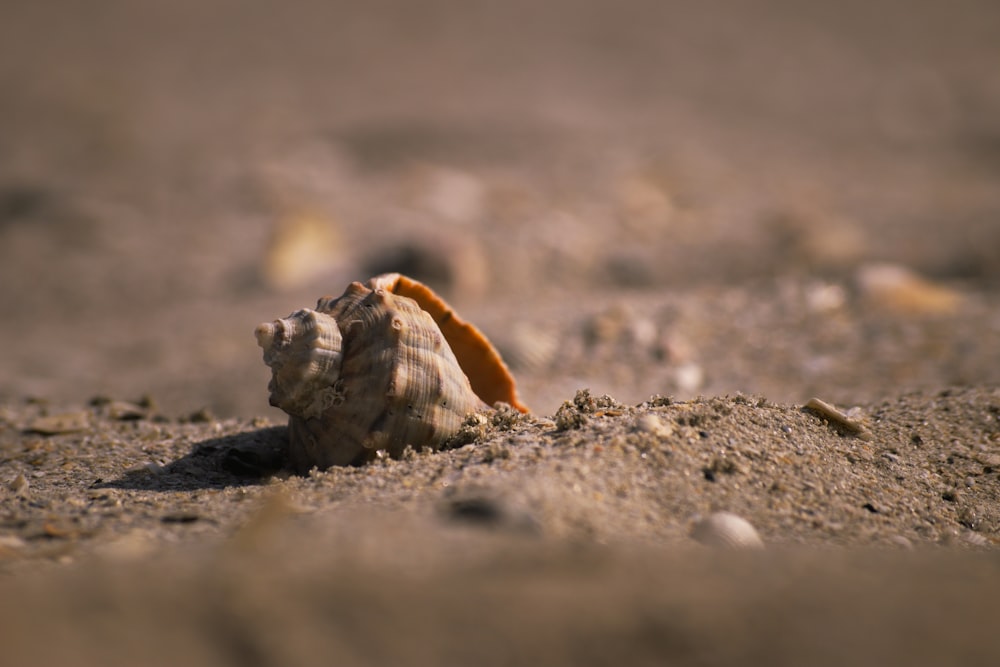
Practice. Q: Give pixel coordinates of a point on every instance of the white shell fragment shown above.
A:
(373, 371)
(66, 422)
(653, 425)
(896, 289)
(724, 530)
(829, 412)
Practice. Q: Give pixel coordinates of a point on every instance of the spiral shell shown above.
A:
(383, 366)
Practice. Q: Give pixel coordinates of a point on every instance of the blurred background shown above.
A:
(637, 196)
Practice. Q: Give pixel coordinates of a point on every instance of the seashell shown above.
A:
(898, 290)
(385, 365)
(724, 530)
(835, 416)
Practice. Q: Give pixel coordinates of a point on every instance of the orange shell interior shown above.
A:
(488, 374)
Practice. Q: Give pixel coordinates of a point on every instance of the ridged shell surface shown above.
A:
(367, 371)
(304, 351)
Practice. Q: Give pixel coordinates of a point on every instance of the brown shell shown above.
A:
(383, 366)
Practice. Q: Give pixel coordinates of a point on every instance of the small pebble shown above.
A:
(150, 467)
(975, 539)
(897, 289)
(825, 298)
(689, 377)
(133, 546)
(124, 411)
(67, 422)
(488, 510)
(19, 486)
(303, 246)
(652, 424)
(901, 542)
(11, 543)
(724, 530)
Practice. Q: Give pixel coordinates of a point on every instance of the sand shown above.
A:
(678, 224)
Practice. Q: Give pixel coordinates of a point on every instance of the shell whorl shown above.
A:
(369, 370)
(304, 351)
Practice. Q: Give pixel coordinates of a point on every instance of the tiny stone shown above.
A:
(133, 546)
(19, 485)
(901, 541)
(726, 531)
(11, 542)
(68, 422)
(124, 411)
(652, 424)
(689, 377)
(202, 416)
(975, 539)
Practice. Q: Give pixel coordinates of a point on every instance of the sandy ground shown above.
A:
(703, 215)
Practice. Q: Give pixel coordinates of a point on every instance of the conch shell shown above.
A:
(386, 365)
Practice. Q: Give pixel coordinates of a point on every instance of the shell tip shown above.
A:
(265, 334)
